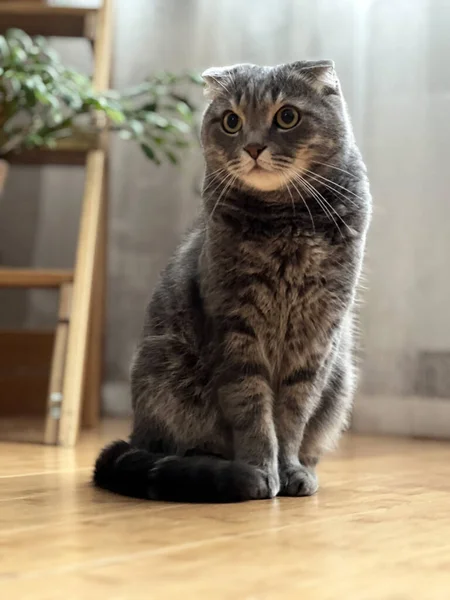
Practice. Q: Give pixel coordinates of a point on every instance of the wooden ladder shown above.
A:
(78, 346)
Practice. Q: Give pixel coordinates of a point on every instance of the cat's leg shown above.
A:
(309, 423)
(300, 384)
(246, 400)
(331, 416)
(170, 409)
(294, 407)
(315, 392)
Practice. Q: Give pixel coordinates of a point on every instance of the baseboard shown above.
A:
(410, 416)
(116, 399)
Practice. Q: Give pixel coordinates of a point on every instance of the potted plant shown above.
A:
(43, 103)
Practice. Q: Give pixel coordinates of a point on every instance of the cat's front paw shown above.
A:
(266, 484)
(298, 481)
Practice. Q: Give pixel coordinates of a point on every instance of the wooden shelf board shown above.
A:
(39, 18)
(73, 157)
(71, 151)
(49, 157)
(34, 278)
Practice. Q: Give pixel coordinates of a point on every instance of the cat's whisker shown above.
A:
(314, 177)
(304, 185)
(282, 164)
(281, 168)
(229, 182)
(317, 162)
(287, 182)
(284, 182)
(218, 180)
(282, 159)
(312, 173)
(333, 210)
(217, 175)
(212, 182)
(234, 166)
(207, 175)
(230, 163)
(222, 181)
(211, 178)
(321, 201)
(233, 162)
(330, 208)
(306, 205)
(335, 191)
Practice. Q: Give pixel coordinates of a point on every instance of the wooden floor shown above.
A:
(378, 529)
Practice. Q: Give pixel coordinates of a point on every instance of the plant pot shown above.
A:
(3, 174)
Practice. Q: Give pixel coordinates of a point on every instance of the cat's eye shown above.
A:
(231, 122)
(287, 117)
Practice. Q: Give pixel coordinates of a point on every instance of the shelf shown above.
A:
(41, 18)
(75, 157)
(70, 151)
(82, 356)
(34, 278)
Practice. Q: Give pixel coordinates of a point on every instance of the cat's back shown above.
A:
(177, 293)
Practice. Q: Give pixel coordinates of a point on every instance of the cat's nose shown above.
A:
(254, 150)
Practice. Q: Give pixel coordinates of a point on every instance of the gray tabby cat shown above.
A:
(244, 375)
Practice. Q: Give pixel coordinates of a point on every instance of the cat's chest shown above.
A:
(291, 280)
(293, 266)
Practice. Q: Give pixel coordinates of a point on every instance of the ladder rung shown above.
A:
(34, 278)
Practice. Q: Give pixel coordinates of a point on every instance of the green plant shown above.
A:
(42, 101)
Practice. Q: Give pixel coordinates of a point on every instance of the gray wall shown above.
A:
(390, 58)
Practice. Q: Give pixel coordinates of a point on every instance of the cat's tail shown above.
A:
(129, 471)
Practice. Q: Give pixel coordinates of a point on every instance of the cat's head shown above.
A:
(264, 125)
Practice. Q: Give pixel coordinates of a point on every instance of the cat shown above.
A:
(244, 375)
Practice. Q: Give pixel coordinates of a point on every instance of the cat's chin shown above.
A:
(263, 181)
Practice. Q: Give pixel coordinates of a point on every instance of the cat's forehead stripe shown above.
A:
(254, 93)
(256, 99)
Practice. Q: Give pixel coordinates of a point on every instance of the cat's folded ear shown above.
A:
(319, 74)
(216, 80)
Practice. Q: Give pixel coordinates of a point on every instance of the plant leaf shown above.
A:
(181, 143)
(177, 125)
(42, 100)
(149, 152)
(4, 49)
(196, 78)
(137, 127)
(157, 120)
(150, 107)
(116, 116)
(171, 156)
(185, 111)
